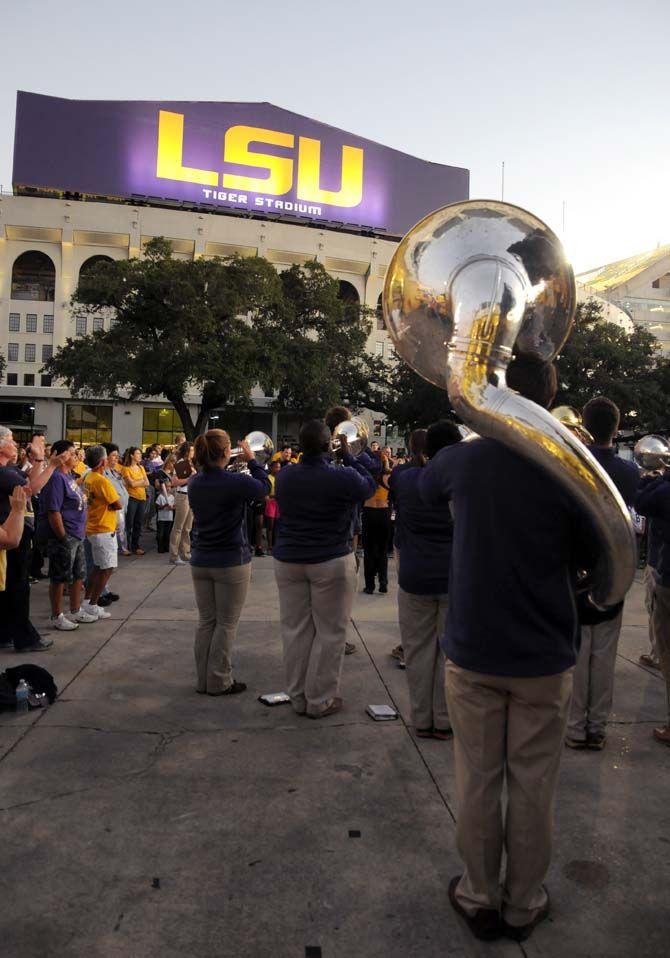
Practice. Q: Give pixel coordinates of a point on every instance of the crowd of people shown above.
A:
(502, 653)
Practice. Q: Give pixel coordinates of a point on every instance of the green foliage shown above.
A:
(599, 358)
(602, 359)
(3, 364)
(216, 328)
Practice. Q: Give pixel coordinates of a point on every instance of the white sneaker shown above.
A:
(84, 615)
(62, 624)
(179, 562)
(96, 610)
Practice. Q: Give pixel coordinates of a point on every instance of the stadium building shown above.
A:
(99, 179)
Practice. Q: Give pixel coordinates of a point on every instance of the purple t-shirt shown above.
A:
(62, 494)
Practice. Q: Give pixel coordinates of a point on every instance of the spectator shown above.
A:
(62, 505)
(104, 505)
(18, 630)
(137, 483)
(272, 506)
(11, 529)
(113, 473)
(180, 536)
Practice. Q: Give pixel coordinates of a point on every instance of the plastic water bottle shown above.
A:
(22, 693)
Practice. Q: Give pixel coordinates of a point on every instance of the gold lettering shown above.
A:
(171, 151)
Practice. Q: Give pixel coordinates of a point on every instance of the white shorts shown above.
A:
(104, 549)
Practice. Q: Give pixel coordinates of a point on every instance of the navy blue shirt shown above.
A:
(423, 536)
(316, 505)
(217, 498)
(518, 542)
(625, 475)
(653, 501)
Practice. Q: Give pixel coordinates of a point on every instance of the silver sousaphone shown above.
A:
(652, 453)
(468, 285)
(262, 447)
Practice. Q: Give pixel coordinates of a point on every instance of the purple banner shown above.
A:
(245, 156)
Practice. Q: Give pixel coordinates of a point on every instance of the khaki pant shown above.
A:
(593, 688)
(219, 595)
(513, 728)
(315, 602)
(180, 537)
(421, 619)
(649, 599)
(661, 617)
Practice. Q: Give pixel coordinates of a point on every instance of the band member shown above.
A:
(315, 567)
(594, 674)
(510, 642)
(653, 501)
(377, 529)
(220, 556)
(423, 539)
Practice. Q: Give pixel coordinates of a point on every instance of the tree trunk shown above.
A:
(181, 406)
(202, 421)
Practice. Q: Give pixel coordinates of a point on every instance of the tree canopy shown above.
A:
(215, 328)
(599, 358)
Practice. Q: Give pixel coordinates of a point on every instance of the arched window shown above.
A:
(34, 277)
(379, 314)
(92, 262)
(348, 294)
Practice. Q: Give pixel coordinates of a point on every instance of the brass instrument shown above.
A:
(652, 453)
(357, 433)
(573, 421)
(262, 447)
(469, 284)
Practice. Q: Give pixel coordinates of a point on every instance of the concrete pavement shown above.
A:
(140, 819)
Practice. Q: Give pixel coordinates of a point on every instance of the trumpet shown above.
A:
(261, 445)
(652, 453)
(573, 421)
(355, 430)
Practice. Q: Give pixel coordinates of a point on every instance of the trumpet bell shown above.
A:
(652, 453)
(356, 432)
(573, 421)
(261, 444)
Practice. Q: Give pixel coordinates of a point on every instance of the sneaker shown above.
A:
(86, 615)
(595, 741)
(104, 601)
(650, 661)
(233, 689)
(178, 562)
(349, 648)
(662, 734)
(383, 589)
(397, 652)
(140, 552)
(126, 552)
(62, 624)
(95, 610)
(112, 596)
(368, 591)
(40, 646)
(575, 742)
(521, 932)
(259, 552)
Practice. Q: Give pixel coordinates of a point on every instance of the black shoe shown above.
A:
(595, 742)
(234, 689)
(383, 589)
(486, 924)
(40, 646)
(521, 932)
(104, 601)
(259, 553)
(112, 596)
(349, 648)
(6, 645)
(368, 591)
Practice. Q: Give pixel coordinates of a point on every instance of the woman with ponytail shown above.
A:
(220, 555)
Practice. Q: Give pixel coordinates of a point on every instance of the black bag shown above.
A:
(7, 694)
(36, 677)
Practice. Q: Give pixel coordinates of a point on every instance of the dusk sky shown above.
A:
(572, 97)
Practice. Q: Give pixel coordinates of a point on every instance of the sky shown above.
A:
(573, 98)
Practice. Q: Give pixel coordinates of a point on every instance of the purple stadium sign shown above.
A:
(245, 156)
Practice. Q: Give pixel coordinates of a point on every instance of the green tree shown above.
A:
(217, 328)
(319, 355)
(3, 364)
(603, 359)
(177, 327)
(411, 401)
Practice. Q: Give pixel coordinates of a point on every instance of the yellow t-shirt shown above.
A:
(135, 473)
(79, 469)
(101, 494)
